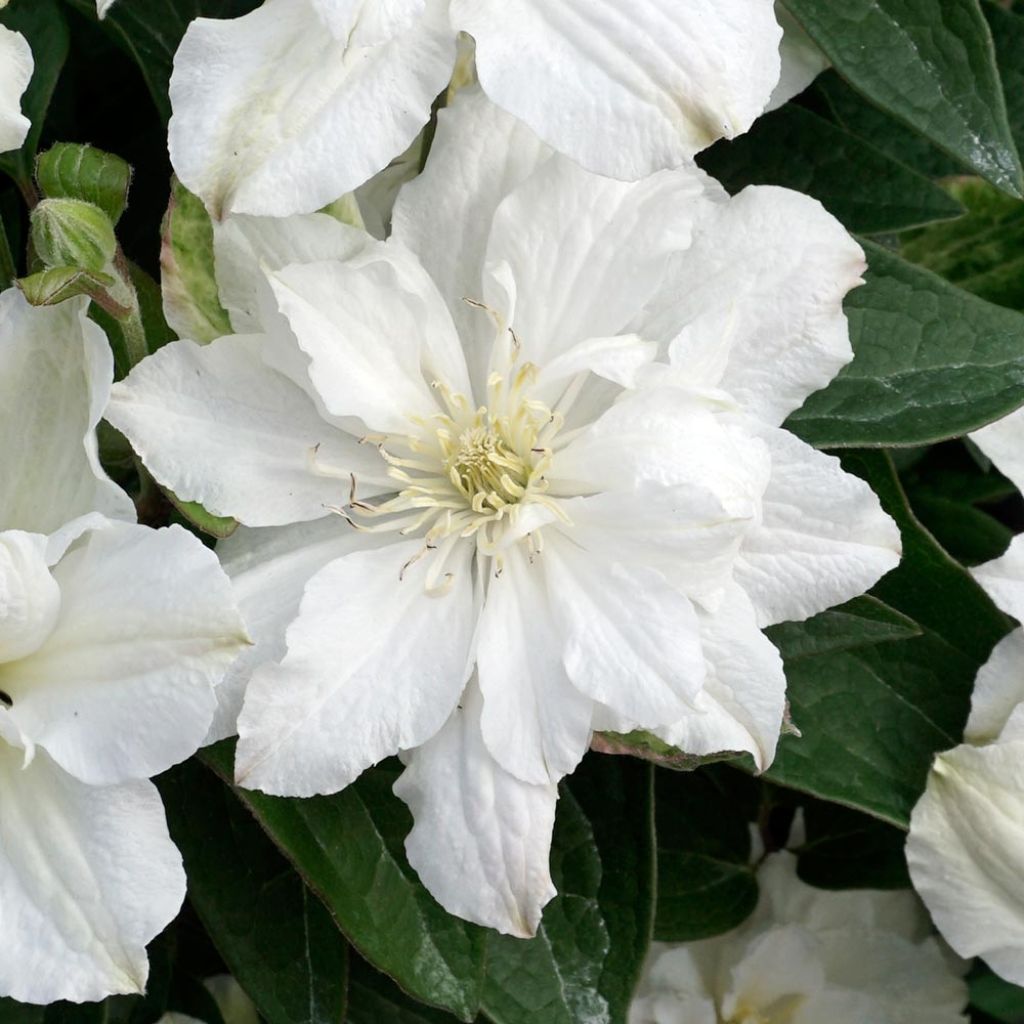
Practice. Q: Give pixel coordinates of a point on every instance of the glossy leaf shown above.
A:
(930, 362)
(350, 849)
(587, 956)
(929, 63)
(872, 718)
(865, 189)
(374, 998)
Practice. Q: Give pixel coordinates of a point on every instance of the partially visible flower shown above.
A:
(234, 1005)
(546, 414)
(966, 845)
(287, 108)
(15, 74)
(808, 956)
(112, 637)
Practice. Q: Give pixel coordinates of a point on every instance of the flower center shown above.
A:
(486, 468)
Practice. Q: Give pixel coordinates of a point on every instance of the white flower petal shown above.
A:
(123, 686)
(269, 569)
(587, 253)
(88, 876)
(626, 87)
(479, 154)
(778, 266)
(966, 853)
(29, 595)
(998, 690)
(247, 248)
(55, 375)
(102, 6)
(481, 838)
(375, 665)
(802, 60)
(534, 721)
(376, 338)
(1002, 443)
(1003, 578)
(743, 701)
(15, 73)
(275, 115)
(217, 426)
(629, 639)
(777, 965)
(823, 538)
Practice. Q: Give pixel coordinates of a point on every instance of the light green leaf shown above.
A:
(931, 362)
(190, 298)
(276, 937)
(43, 24)
(216, 526)
(587, 956)
(72, 171)
(982, 253)
(864, 188)
(706, 883)
(872, 718)
(50, 287)
(929, 63)
(350, 849)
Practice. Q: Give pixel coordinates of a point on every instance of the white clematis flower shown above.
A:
(966, 845)
(15, 74)
(112, 637)
(808, 956)
(518, 475)
(285, 109)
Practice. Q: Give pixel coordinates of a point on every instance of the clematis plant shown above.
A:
(112, 638)
(286, 108)
(15, 74)
(964, 850)
(806, 956)
(515, 476)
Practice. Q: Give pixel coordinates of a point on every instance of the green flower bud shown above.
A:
(72, 233)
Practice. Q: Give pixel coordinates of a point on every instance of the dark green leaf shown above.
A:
(350, 849)
(983, 252)
(12, 1012)
(849, 850)
(187, 271)
(375, 999)
(72, 171)
(587, 956)
(1008, 35)
(706, 883)
(150, 30)
(929, 63)
(43, 24)
(277, 938)
(872, 718)
(930, 362)
(999, 999)
(855, 182)
(862, 622)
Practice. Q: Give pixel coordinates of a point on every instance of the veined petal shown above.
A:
(823, 537)
(88, 876)
(217, 426)
(778, 266)
(998, 690)
(1003, 578)
(15, 73)
(375, 664)
(367, 23)
(535, 723)
(371, 352)
(247, 248)
(629, 639)
(966, 853)
(626, 88)
(55, 376)
(586, 253)
(123, 687)
(744, 697)
(481, 838)
(275, 115)
(269, 569)
(29, 595)
(479, 154)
